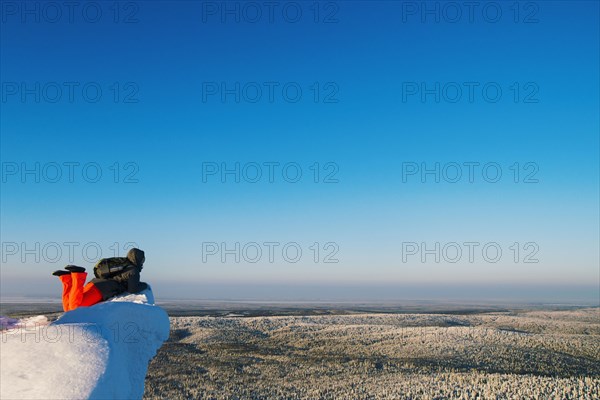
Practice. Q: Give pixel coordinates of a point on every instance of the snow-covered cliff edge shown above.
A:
(97, 352)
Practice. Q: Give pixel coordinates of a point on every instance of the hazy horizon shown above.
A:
(349, 292)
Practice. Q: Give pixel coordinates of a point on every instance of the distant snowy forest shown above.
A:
(500, 355)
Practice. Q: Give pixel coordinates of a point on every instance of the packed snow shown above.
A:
(97, 352)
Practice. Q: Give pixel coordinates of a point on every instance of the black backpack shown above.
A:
(108, 268)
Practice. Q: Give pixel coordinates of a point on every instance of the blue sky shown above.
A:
(168, 73)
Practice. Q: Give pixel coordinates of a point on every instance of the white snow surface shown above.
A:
(97, 352)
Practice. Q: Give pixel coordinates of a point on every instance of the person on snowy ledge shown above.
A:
(113, 276)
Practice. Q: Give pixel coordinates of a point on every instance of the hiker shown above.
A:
(113, 276)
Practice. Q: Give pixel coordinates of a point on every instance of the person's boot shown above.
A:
(74, 268)
(60, 273)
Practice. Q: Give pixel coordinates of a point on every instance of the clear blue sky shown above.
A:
(367, 72)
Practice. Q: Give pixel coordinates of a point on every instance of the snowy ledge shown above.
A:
(97, 352)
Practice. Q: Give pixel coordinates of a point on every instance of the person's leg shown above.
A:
(91, 295)
(76, 296)
(67, 282)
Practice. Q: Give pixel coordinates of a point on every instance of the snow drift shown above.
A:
(97, 352)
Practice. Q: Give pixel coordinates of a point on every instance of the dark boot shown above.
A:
(60, 273)
(74, 268)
